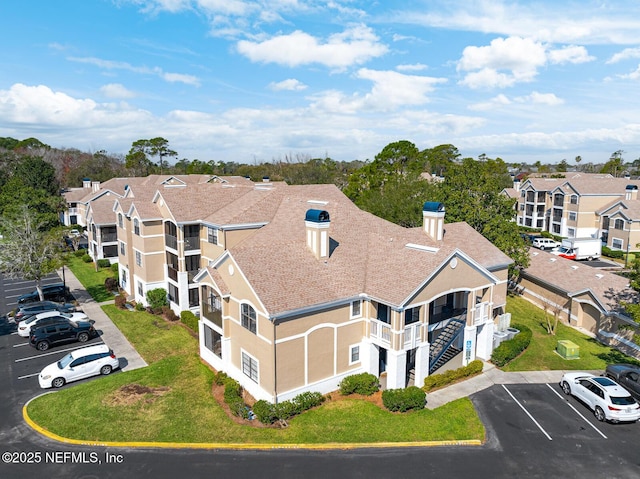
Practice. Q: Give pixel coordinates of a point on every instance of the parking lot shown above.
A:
(24, 361)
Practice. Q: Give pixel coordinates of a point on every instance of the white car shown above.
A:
(49, 317)
(545, 243)
(606, 398)
(79, 364)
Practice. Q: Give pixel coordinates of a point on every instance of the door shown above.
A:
(382, 360)
(78, 369)
(65, 333)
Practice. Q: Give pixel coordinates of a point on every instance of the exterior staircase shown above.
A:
(441, 349)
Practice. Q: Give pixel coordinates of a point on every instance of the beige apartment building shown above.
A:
(296, 287)
(569, 206)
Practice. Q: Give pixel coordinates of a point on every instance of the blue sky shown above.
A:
(245, 81)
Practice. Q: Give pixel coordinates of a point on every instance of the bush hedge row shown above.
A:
(447, 377)
(612, 253)
(402, 400)
(232, 394)
(190, 320)
(364, 383)
(512, 348)
(104, 263)
(268, 413)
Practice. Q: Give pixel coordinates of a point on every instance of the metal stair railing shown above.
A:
(451, 331)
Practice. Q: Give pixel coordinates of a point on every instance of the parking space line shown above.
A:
(527, 413)
(576, 411)
(21, 344)
(28, 376)
(56, 352)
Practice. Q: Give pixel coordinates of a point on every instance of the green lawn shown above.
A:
(187, 412)
(541, 355)
(92, 280)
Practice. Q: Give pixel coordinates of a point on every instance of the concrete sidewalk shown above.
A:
(110, 334)
(490, 376)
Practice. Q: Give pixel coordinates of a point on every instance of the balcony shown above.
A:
(380, 331)
(191, 243)
(108, 237)
(412, 335)
(191, 274)
(171, 241)
(212, 314)
(172, 273)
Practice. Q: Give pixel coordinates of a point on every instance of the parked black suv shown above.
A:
(52, 292)
(42, 337)
(29, 309)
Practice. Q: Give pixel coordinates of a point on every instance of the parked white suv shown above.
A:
(79, 364)
(545, 243)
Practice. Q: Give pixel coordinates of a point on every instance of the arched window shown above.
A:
(248, 317)
(574, 199)
(619, 224)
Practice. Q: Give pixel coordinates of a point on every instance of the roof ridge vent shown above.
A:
(599, 275)
(420, 247)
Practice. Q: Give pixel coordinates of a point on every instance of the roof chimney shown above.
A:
(433, 219)
(516, 184)
(317, 223)
(86, 183)
(631, 192)
(95, 186)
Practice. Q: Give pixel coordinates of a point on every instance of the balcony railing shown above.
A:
(212, 314)
(412, 335)
(191, 275)
(191, 243)
(380, 331)
(109, 237)
(172, 273)
(171, 241)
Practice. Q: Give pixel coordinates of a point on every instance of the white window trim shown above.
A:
(616, 247)
(351, 348)
(139, 254)
(359, 315)
(251, 357)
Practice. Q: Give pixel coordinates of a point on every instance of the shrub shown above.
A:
(265, 412)
(364, 383)
(404, 399)
(157, 298)
(512, 348)
(612, 253)
(140, 307)
(307, 400)
(233, 398)
(86, 258)
(111, 284)
(220, 378)
(190, 320)
(104, 263)
(79, 252)
(442, 379)
(285, 410)
(120, 301)
(114, 268)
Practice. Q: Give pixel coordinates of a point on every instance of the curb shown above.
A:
(236, 446)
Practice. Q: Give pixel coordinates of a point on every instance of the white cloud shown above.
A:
(543, 99)
(415, 67)
(520, 56)
(291, 84)
(354, 46)
(116, 90)
(157, 71)
(495, 102)
(634, 75)
(624, 55)
(570, 54)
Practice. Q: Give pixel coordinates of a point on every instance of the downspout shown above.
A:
(275, 365)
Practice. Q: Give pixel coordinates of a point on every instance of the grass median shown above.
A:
(177, 404)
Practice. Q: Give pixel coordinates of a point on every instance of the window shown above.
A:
(192, 263)
(212, 235)
(110, 251)
(354, 354)
(138, 258)
(616, 243)
(248, 317)
(194, 297)
(618, 224)
(521, 206)
(123, 249)
(120, 224)
(172, 291)
(213, 341)
(571, 232)
(140, 289)
(574, 199)
(383, 313)
(250, 366)
(573, 216)
(411, 316)
(136, 226)
(356, 309)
